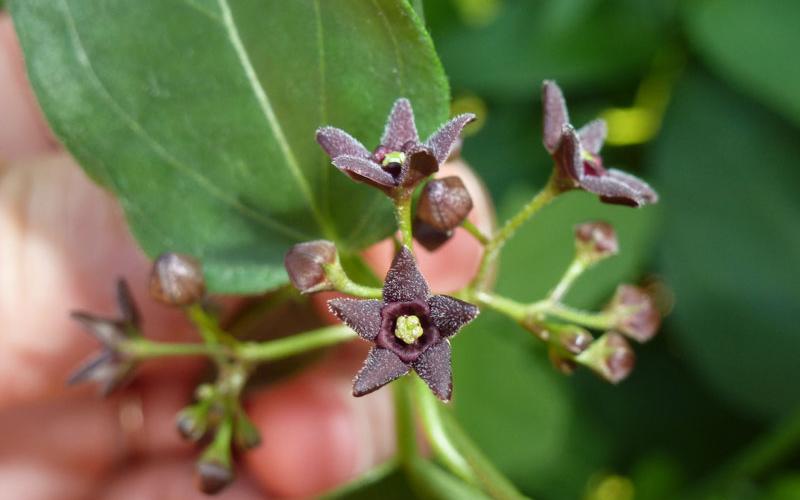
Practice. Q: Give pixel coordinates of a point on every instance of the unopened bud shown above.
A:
(177, 279)
(192, 421)
(572, 339)
(428, 236)
(635, 313)
(213, 476)
(561, 363)
(444, 203)
(610, 356)
(245, 434)
(595, 241)
(305, 263)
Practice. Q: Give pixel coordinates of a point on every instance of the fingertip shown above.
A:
(315, 435)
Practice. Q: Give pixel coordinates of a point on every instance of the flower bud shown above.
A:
(572, 339)
(245, 434)
(444, 203)
(428, 236)
(635, 313)
(192, 421)
(305, 263)
(560, 362)
(610, 356)
(177, 279)
(213, 475)
(595, 241)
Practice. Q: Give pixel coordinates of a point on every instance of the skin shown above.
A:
(63, 241)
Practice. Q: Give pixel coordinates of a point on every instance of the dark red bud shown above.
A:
(636, 313)
(574, 339)
(597, 240)
(305, 265)
(444, 203)
(192, 422)
(560, 362)
(177, 280)
(430, 237)
(610, 356)
(213, 476)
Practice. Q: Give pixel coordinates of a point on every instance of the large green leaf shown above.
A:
(728, 175)
(200, 115)
(754, 44)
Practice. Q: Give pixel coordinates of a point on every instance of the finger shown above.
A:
(169, 479)
(23, 130)
(91, 436)
(315, 434)
(35, 480)
(453, 264)
(64, 242)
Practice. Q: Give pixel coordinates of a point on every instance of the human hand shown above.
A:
(63, 242)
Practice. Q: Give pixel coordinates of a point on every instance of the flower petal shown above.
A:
(450, 315)
(126, 304)
(619, 188)
(568, 155)
(363, 316)
(555, 115)
(337, 142)
(593, 135)
(443, 140)
(400, 126)
(109, 332)
(434, 367)
(364, 170)
(404, 282)
(420, 163)
(381, 367)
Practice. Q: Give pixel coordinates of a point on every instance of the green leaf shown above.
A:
(754, 44)
(728, 175)
(200, 116)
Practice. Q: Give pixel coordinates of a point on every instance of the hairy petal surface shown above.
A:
(619, 188)
(593, 135)
(443, 140)
(381, 367)
(337, 142)
(555, 115)
(404, 282)
(433, 366)
(363, 316)
(400, 127)
(364, 170)
(568, 154)
(450, 315)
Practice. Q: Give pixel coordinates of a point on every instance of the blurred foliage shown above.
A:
(723, 242)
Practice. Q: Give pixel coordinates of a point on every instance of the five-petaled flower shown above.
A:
(577, 155)
(112, 367)
(409, 327)
(401, 161)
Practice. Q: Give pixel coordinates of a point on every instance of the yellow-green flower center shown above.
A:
(393, 157)
(408, 329)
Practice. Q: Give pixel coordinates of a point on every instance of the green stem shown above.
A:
(295, 344)
(475, 231)
(339, 279)
(403, 214)
(598, 321)
(404, 424)
(444, 449)
(208, 326)
(495, 244)
(511, 308)
(575, 269)
(143, 348)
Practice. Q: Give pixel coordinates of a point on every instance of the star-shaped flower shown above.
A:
(410, 329)
(577, 155)
(401, 161)
(112, 367)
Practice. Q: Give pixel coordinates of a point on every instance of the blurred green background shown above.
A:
(703, 101)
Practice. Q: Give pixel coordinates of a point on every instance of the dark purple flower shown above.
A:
(636, 314)
(410, 329)
(400, 160)
(577, 155)
(610, 356)
(112, 367)
(596, 240)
